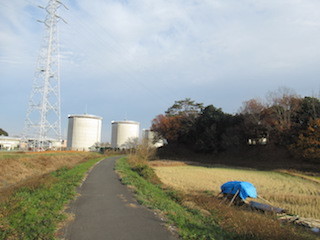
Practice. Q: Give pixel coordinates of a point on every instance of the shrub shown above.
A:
(138, 161)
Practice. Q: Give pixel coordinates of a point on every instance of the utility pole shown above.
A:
(43, 118)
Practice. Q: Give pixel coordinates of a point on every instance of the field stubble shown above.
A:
(298, 196)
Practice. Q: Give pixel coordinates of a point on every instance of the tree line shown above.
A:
(284, 119)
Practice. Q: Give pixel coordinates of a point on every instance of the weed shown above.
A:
(33, 212)
(139, 159)
(190, 223)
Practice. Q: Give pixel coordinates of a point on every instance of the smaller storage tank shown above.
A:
(151, 138)
(124, 134)
(83, 131)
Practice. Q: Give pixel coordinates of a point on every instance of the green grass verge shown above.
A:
(33, 213)
(191, 224)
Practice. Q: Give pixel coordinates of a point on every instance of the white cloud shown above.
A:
(19, 35)
(169, 48)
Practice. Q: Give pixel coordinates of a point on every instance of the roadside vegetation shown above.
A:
(190, 223)
(195, 211)
(19, 167)
(34, 209)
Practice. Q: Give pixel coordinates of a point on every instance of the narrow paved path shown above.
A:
(107, 210)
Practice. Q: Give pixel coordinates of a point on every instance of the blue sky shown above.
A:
(133, 59)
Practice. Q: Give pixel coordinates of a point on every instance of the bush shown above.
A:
(144, 171)
(138, 161)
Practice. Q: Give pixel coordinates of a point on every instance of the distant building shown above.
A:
(151, 138)
(84, 131)
(257, 141)
(9, 143)
(17, 143)
(52, 144)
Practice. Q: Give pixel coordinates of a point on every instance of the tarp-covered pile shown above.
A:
(243, 189)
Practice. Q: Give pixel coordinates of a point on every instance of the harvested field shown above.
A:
(299, 196)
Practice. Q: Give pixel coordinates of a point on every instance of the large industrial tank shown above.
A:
(124, 134)
(83, 131)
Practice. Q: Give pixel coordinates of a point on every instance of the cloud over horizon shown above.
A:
(135, 58)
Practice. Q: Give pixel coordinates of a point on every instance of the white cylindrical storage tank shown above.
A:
(124, 134)
(151, 138)
(83, 131)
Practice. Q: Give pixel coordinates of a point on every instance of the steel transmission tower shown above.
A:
(43, 118)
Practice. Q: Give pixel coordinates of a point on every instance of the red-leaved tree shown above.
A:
(167, 127)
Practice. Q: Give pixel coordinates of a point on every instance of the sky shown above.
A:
(132, 60)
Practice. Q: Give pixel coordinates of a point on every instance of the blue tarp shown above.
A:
(246, 189)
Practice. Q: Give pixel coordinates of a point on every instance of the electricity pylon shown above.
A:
(43, 118)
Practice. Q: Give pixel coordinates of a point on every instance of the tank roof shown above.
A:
(125, 122)
(84, 116)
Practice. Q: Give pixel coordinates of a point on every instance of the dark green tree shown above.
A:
(210, 128)
(3, 132)
(234, 136)
(186, 107)
(308, 110)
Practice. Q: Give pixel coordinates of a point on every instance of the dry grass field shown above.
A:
(297, 195)
(18, 167)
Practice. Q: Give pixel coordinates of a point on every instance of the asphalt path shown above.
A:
(106, 209)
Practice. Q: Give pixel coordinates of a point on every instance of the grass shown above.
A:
(299, 196)
(191, 223)
(201, 216)
(246, 224)
(18, 167)
(34, 212)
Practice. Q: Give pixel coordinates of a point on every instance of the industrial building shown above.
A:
(51, 144)
(125, 134)
(150, 137)
(84, 131)
(17, 143)
(9, 143)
